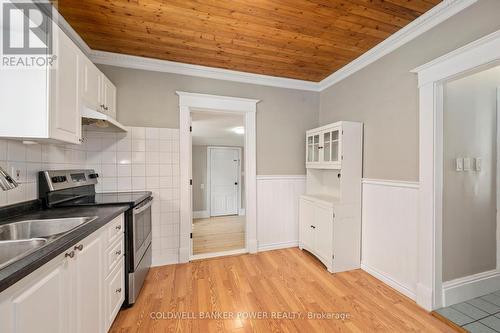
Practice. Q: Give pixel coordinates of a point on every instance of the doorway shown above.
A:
(217, 172)
(191, 103)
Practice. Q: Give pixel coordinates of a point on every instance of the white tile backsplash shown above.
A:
(142, 159)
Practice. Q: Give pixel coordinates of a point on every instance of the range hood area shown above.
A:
(98, 119)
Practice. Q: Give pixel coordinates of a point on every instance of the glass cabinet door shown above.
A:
(313, 148)
(331, 146)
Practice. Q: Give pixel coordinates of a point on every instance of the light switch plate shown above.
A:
(467, 164)
(459, 164)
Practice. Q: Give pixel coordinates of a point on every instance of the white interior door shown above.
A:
(224, 181)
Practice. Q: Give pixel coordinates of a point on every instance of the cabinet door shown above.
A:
(323, 235)
(306, 224)
(115, 293)
(331, 146)
(89, 285)
(313, 148)
(89, 82)
(43, 304)
(108, 97)
(65, 121)
(111, 100)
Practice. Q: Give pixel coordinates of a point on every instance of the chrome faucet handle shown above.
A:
(6, 181)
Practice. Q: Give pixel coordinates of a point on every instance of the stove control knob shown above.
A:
(59, 179)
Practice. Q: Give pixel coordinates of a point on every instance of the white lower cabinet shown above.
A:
(331, 232)
(316, 231)
(71, 293)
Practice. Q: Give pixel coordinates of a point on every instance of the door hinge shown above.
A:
(333, 256)
(333, 215)
(190, 128)
(190, 182)
(191, 235)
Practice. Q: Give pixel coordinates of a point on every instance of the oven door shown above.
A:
(141, 230)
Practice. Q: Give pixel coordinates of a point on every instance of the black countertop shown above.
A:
(23, 267)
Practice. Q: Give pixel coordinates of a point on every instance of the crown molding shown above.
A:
(70, 32)
(438, 14)
(425, 22)
(122, 60)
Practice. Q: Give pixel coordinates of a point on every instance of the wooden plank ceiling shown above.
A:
(300, 39)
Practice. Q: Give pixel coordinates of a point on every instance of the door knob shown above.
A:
(236, 183)
(79, 247)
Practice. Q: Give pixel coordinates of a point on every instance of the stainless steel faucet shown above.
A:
(6, 181)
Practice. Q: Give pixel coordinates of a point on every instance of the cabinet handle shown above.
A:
(119, 290)
(102, 106)
(118, 252)
(106, 108)
(313, 227)
(320, 147)
(79, 247)
(118, 227)
(70, 254)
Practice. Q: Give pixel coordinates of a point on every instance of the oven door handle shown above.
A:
(142, 208)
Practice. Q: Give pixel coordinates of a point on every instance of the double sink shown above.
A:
(19, 239)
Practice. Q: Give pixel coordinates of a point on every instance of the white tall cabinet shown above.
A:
(330, 211)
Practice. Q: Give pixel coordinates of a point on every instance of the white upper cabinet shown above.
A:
(98, 92)
(43, 102)
(64, 100)
(90, 77)
(324, 147)
(107, 95)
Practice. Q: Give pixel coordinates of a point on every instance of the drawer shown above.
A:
(113, 255)
(115, 228)
(115, 293)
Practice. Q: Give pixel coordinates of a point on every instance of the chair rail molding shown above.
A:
(213, 103)
(474, 56)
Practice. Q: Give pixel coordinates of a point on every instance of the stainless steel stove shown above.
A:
(73, 188)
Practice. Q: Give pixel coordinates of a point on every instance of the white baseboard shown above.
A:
(218, 254)
(276, 246)
(184, 254)
(389, 281)
(472, 286)
(201, 214)
(165, 260)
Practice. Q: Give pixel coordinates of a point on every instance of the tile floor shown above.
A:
(478, 315)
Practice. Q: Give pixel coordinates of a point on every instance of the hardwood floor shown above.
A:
(218, 234)
(277, 285)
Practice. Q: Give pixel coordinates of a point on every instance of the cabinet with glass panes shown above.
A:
(324, 146)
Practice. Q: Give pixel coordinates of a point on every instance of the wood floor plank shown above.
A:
(282, 287)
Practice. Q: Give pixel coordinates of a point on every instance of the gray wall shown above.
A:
(469, 197)
(384, 95)
(148, 99)
(199, 177)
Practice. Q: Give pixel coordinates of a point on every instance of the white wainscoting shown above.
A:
(278, 210)
(389, 233)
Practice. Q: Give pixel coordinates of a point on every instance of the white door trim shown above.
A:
(482, 53)
(209, 177)
(212, 103)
